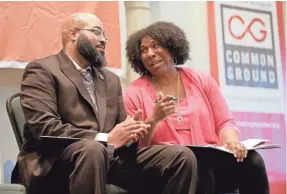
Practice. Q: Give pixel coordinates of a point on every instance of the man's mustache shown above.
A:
(101, 44)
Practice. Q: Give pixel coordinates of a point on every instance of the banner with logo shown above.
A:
(31, 30)
(247, 58)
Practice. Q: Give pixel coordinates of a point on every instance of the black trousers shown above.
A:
(220, 172)
(84, 168)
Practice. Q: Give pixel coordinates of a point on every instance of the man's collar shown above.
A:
(77, 65)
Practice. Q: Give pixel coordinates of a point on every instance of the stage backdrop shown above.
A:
(247, 58)
(31, 30)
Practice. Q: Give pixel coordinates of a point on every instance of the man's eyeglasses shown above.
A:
(98, 32)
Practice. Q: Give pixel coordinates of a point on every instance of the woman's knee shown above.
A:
(255, 160)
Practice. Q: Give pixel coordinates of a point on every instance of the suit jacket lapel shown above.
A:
(100, 82)
(74, 76)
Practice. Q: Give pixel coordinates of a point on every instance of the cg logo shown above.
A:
(258, 37)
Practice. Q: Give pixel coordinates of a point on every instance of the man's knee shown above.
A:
(87, 149)
(183, 155)
(92, 147)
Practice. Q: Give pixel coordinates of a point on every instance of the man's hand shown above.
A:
(127, 131)
(238, 149)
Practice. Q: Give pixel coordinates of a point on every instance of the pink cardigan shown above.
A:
(209, 116)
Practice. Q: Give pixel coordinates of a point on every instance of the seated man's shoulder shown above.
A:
(49, 62)
(111, 77)
(109, 74)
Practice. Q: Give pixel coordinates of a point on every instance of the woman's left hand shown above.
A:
(238, 149)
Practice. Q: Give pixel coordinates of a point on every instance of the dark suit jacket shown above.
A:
(56, 102)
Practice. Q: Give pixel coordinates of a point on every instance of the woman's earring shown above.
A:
(175, 61)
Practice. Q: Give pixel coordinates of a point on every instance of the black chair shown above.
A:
(18, 121)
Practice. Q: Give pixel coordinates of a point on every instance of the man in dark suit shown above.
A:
(71, 95)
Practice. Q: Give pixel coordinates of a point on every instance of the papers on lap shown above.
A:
(250, 144)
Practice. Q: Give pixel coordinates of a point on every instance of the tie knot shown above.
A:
(86, 73)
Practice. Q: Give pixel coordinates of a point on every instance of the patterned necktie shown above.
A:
(88, 80)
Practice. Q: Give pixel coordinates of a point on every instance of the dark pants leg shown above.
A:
(80, 168)
(220, 172)
(86, 162)
(83, 166)
(156, 169)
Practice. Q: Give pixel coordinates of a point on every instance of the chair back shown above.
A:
(16, 117)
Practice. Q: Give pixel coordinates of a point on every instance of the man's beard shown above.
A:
(89, 52)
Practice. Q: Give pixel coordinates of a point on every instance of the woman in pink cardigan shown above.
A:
(184, 106)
